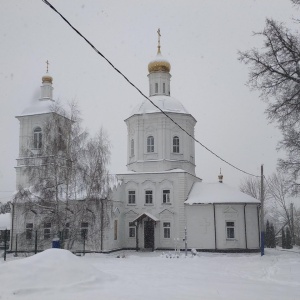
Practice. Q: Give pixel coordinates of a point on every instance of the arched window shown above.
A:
(132, 147)
(176, 144)
(156, 88)
(150, 143)
(37, 138)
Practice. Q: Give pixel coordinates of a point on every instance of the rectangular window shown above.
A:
(176, 144)
(84, 230)
(47, 231)
(148, 197)
(167, 230)
(156, 88)
(164, 87)
(131, 197)
(131, 230)
(29, 229)
(230, 230)
(150, 144)
(115, 230)
(166, 196)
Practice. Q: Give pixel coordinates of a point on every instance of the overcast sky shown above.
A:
(199, 38)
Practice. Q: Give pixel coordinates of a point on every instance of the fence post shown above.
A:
(84, 243)
(16, 246)
(35, 243)
(5, 243)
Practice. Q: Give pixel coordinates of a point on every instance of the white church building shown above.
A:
(160, 200)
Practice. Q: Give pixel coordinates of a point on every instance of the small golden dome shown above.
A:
(47, 78)
(159, 64)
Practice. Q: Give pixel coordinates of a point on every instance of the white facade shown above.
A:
(160, 197)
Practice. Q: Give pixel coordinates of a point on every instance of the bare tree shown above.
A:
(95, 182)
(4, 208)
(277, 194)
(283, 212)
(251, 187)
(66, 176)
(275, 72)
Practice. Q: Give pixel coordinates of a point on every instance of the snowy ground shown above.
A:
(58, 274)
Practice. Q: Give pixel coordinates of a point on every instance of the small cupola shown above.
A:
(220, 176)
(159, 73)
(46, 88)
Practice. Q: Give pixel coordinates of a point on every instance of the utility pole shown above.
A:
(262, 222)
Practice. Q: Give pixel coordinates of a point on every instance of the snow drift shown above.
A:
(52, 268)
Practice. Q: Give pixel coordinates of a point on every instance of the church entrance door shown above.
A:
(149, 234)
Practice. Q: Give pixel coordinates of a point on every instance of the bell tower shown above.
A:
(155, 143)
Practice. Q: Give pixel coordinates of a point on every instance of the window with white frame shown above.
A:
(131, 197)
(166, 196)
(176, 144)
(230, 232)
(150, 144)
(84, 229)
(29, 229)
(132, 147)
(132, 229)
(47, 231)
(37, 138)
(167, 230)
(149, 197)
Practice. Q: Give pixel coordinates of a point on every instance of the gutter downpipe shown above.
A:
(12, 226)
(245, 225)
(258, 225)
(215, 226)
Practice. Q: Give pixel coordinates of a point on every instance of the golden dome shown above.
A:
(159, 64)
(47, 78)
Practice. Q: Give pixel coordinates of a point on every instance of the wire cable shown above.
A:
(134, 86)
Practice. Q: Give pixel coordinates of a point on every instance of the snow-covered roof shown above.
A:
(145, 214)
(205, 193)
(38, 107)
(5, 221)
(165, 103)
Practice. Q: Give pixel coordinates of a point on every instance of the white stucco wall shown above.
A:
(252, 225)
(200, 226)
(163, 130)
(179, 184)
(201, 230)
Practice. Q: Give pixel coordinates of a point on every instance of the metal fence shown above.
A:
(37, 240)
(4, 241)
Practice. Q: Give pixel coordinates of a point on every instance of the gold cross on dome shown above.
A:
(47, 63)
(159, 35)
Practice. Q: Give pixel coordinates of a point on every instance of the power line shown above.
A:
(133, 85)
